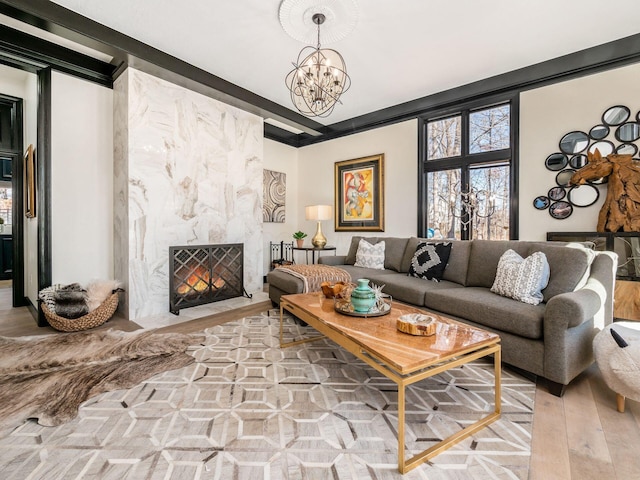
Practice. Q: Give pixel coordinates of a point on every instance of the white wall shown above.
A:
(81, 180)
(398, 143)
(546, 114)
(282, 158)
(21, 84)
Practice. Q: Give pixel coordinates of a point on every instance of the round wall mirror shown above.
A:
(574, 142)
(578, 161)
(541, 202)
(627, 149)
(629, 132)
(583, 195)
(556, 161)
(616, 115)
(560, 210)
(556, 193)
(599, 132)
(605, 147)
(563, 178)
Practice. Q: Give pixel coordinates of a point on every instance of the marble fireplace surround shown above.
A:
(187, 171)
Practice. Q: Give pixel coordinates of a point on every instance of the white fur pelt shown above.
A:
(620, 367)
(98, 291)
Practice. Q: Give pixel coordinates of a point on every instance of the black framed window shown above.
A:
(468, 171)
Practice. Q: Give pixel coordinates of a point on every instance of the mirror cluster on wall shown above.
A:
(617, 133)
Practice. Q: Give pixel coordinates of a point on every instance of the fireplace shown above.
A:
(205, 274)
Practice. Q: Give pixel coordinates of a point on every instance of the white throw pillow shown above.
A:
(370, 256)
(522, 279)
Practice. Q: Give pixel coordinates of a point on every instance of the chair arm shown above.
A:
(332, 260)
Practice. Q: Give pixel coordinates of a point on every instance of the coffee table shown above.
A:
(404, 359)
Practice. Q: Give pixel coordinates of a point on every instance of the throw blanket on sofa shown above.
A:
(313, 275)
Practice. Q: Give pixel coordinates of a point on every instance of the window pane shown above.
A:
(443, 138)
(490, 193)
(443, 201)
(489, 129)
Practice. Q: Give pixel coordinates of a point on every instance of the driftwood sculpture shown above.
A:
(621, 209)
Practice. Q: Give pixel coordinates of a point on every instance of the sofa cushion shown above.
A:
(394, 252)
(522, 278)
(487, 308)
(370, 256)
(353, 248)
(430, 260)
(413, 290)
(569, 267)
(458, 265)
(484, 258)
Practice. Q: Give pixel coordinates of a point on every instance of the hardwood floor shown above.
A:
(580, 436)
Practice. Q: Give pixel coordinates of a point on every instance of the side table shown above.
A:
(313, 251)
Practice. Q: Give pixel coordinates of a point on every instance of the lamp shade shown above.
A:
(318, 212)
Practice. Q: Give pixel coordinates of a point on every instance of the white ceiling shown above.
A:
(398, 51)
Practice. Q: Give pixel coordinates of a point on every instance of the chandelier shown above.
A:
(318, 79)
(472, 205)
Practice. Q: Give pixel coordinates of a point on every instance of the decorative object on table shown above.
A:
(30, 183)
(47, 377)
(619, 211)
(417, 324)
(318, 213)
(363, 297)
(319, 77)
(332, 290)
(72, 308)
(617, 134)
(359, 194)
(274, 196)
(299, 237)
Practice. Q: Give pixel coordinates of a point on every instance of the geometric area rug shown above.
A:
(250, 410)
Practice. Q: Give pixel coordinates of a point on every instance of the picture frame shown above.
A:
(29, 183)
(359, 194)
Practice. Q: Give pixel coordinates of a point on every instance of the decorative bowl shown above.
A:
(332, 290)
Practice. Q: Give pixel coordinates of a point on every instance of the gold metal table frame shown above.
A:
(402, 379)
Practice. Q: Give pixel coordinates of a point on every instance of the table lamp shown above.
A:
(318, 213)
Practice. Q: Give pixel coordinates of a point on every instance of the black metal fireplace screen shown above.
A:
(204, 274)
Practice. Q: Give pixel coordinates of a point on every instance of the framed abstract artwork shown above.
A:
(359, 194)
(275, 189)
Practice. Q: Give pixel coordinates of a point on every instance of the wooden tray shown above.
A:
(417, 324)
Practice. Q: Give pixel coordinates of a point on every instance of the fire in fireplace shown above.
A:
(205, 274)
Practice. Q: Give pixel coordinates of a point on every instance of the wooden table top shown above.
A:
(379, 336)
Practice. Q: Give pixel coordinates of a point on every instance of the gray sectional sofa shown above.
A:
(552, 340)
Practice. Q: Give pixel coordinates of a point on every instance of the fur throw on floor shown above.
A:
(48, 377)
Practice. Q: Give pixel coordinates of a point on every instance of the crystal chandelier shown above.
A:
(318, 79)
(473, 205)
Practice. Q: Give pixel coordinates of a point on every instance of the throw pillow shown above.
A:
(370, 256)
(430, 260)
(522, 278)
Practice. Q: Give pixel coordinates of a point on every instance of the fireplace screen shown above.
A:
(205, 274)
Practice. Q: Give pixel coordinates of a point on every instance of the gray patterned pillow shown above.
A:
(370, 256)
(522, 278)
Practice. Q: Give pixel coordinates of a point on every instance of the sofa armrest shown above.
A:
(572, 319)
(332, 260)
(569, 310)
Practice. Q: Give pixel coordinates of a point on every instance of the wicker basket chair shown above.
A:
(91, 320)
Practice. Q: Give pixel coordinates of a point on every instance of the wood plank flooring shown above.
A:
(578, 437)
